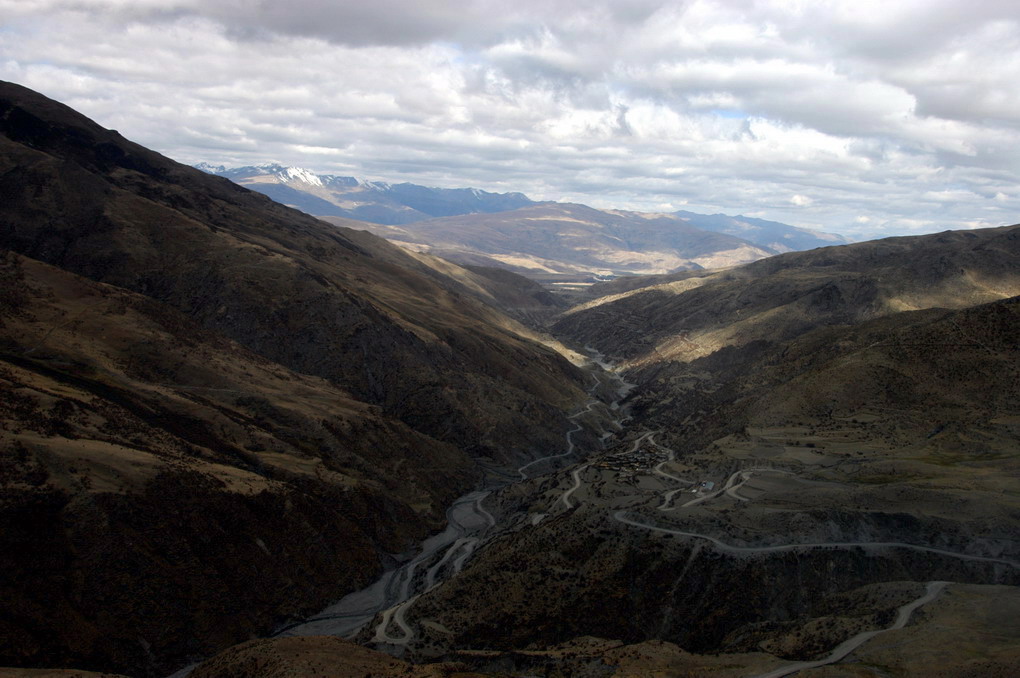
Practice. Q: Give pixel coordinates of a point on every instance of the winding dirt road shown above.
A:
(731, 486)
(576, 474)
(468, 523)
(621, 516)
(932, 590)
(667, 498)
(570, 445)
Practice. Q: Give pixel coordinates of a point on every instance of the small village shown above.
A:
(631, 463)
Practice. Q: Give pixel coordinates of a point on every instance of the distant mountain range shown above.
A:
(555, 239)
(374, 201)
(771, 235)
(509, 230)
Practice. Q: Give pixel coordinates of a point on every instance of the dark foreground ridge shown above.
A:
(218, 411)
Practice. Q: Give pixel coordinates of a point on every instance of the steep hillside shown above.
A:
(687, 316)
(555, 238)
(166, 492)
(217, 412)
(766, 500)
(967, 631)
(317, 655)
(806, 431)
(325, 301)
(516, 296)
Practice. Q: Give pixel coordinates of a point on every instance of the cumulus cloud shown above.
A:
(865, 118)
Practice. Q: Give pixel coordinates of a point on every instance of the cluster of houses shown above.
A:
(630, 463)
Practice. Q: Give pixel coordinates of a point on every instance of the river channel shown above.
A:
(441, 556)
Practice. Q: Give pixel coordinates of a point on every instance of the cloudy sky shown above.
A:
(858, 117)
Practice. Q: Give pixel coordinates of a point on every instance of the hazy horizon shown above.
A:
(864, 119)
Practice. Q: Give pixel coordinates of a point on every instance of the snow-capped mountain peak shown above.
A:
(364, 199)
(265, 168)
(289, 174)
(210, 169)
(366, 184)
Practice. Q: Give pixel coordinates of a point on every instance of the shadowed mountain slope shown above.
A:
(218, 411)
(166, 492)
(777, 480)
(325, 301)
(944, 380)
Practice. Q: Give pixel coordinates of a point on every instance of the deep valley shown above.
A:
(237, 440)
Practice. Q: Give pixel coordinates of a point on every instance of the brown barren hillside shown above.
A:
(690, 316)
(839, 463)
(814, 440)
(217, 412)
(161, 483)
(321, 300)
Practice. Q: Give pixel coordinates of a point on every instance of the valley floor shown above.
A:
(727, 531)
